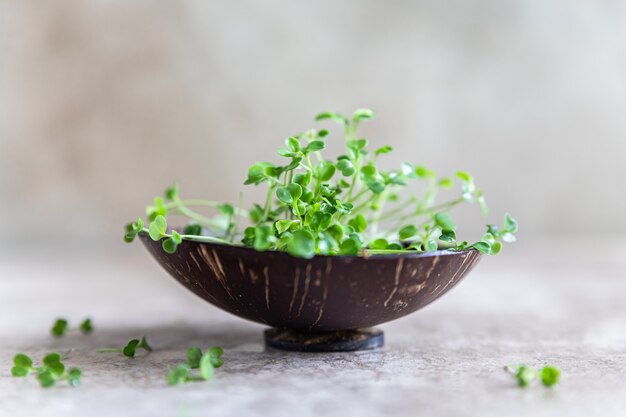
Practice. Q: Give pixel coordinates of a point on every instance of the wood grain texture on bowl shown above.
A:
(320, 294)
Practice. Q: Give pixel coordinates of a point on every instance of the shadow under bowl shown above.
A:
(306, 296)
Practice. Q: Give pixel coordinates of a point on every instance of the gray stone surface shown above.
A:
(566, 308)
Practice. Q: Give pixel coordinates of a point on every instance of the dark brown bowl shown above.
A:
(326, 293)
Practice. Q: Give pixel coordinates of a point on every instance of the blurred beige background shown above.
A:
(105, 103)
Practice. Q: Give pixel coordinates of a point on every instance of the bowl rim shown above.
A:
(440, 252)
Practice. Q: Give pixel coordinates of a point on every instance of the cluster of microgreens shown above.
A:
(526, 375)
(53, 369)
(205, 363)
(331, 207)
(61, 327)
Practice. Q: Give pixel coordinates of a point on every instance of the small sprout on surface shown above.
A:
(550, 376)
(205, 363)
(526, 375)
(61, 327)
(131, 347)
(51, 370)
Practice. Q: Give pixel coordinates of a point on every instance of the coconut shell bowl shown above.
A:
(328, 303)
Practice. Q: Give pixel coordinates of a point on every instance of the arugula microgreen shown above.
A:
(343, 206)
(51, 370)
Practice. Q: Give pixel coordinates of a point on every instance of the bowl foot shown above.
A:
(337, 341)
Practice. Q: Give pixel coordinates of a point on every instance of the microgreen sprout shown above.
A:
(526, 375)
(52, 369)
(131, 347)
(61, 327)
(205, 363)
(346, 205)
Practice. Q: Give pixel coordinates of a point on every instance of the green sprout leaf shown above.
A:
(158, 228)
(86, 326)
(302, 244)
(444, 221)
(193, 229)
(550, 376)
(46, 379)
(194, 354)
(59, 328)
(206, 368)
(73, 376)
(407, 232)
(215, 353)
(130, 348)
(178, 375)
(525, 375)
(383, 150)
(172, 192)
(483, 247)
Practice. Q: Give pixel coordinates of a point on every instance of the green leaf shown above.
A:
(448, 236)
(283, 194)
(407, 232)
(178, 375)
(359, 223)
(302, 245)
(495, 248)
(263, 237)
(525, 375)
(226, 209)
(73, 376)
(194, 354)
(215, 353)
(18, 371)
(51, 358)
(23, 361)
(295, 190)
(158, 228)
(424, 173)
(169, 245)
(176, 237)
(316, 145)
(431, 245)
(464, 176)
(86, 327)
(172, 192)
(483, 247)
(550, 376)
(302, 179)
(193, 230)
(377, 187)
(379, 244)
(130, 348)
(362, 114)
(206, 367)
(46, 379)
(346, 167)
(283, 225)
(59, 328)
(445, 183)
(349, 247)
(383, 150)
(143, 344)
(293, 144)
(444, 221)
(342, 120)
(510, 224)
(325, 170)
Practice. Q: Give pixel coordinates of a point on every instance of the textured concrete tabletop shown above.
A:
(567, 309)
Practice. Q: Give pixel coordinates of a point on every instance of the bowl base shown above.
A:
(337, 341)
